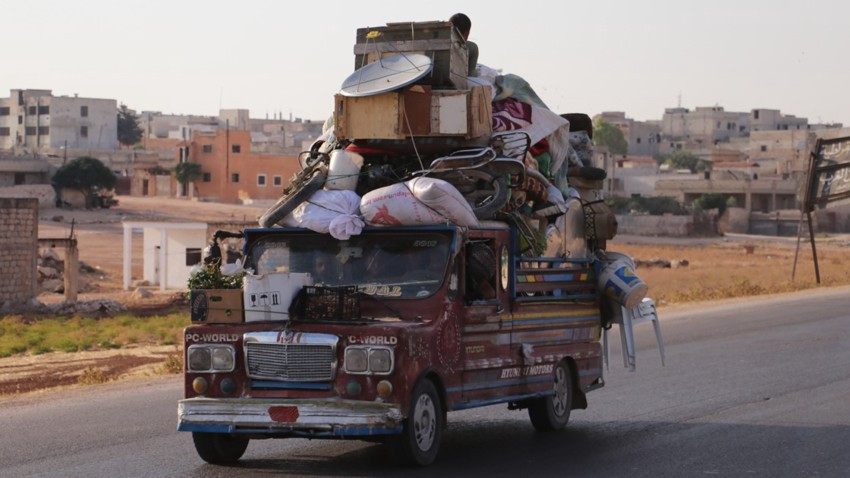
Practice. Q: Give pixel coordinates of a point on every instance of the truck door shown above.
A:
(486, 332)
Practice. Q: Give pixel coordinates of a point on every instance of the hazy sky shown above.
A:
(193, 57)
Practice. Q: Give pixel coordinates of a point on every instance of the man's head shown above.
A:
(462, 23)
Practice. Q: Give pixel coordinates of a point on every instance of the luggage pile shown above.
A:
(414, 140)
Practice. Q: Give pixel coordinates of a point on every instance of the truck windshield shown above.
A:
(384, 264)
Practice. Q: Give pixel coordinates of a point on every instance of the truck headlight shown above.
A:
(356, 360)
(380, 360)
(211, 358)
(368, 360)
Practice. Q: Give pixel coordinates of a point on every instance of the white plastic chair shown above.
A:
(627, 319)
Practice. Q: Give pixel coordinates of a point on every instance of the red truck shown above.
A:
(402, 325)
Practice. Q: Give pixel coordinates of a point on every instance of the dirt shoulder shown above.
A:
(27, 374)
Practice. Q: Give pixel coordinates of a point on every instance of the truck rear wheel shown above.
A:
(423, 428)
(219, 448)
(553, 412)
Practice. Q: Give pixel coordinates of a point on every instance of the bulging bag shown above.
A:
(323, 207)
(419, 202)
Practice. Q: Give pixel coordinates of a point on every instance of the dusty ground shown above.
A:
(713, 263)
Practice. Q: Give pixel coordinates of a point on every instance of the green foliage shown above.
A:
(84, 173)
(70, 334)
(710, 201)
(158, 171)
(656, 206)
(129, 132)
(187, 172)
(684, 160)
(210, 277)
(607, 134)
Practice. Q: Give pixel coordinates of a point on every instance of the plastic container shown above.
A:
(619, 280)
(344, 170)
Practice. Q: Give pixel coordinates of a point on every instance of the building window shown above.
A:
(207, 148)
(236, 148)
(763, 148)
(20, 178)
(31, 110)
(261, 180)
(638, 141)
(4, 131)
(4, 111)
(234, 177)
(30, 130)
(277, 180)
(84, 111)
(207, 177)
(20, 119)
(44, 130)
(84, 131)
(193, 256)
(755, 114)
(44, 110)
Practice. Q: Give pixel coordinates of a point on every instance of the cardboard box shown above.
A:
(438, 40)
(267, 297)
(216, 306)
(418, 109)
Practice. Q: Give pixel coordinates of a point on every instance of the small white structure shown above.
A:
(170, 249)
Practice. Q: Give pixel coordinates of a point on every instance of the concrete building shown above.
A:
(271, 136)
(763, 119)
(633, 176)
(170, 251)
(706, 126)
(233, 172)
(36, 120)
(643, 136)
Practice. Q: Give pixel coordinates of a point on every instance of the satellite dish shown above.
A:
(387, 74)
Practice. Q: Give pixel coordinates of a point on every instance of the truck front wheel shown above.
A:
(219, 448)
(423, 428)
(553, 412)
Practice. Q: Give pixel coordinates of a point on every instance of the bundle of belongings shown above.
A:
(415, 140)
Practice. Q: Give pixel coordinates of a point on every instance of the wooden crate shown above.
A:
(438, 40)
(429, 113)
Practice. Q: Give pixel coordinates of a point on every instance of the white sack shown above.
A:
(418, 202)
(344, 226)
(323, 206)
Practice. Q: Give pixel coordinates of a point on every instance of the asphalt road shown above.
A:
(751, 388)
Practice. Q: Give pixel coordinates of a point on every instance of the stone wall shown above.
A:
(18, 248)
(668, 225)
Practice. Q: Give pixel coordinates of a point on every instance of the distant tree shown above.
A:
(85, 174)
(607, 134)
(129, 132)
(685, 160)
(186, 173)
(711, 201)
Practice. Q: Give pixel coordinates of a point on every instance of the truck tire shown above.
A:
(553, 412)
(290, 201)
(219, 448)
(423, 429)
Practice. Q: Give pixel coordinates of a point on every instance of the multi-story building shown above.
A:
(37, 120)
(643, 136)
(232, 172)
(701, 129)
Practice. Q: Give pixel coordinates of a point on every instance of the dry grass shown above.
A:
(726, 270)
(92, 376)
(172, 365)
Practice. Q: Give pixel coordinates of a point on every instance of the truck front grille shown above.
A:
(290, 362)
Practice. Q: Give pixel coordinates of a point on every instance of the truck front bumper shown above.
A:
(292, 417)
